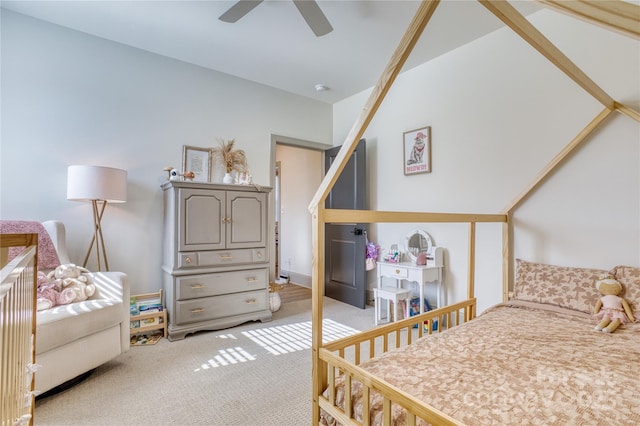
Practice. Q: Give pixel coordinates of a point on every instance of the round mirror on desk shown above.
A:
(418, 244)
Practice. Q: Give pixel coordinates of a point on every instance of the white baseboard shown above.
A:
(299, 279)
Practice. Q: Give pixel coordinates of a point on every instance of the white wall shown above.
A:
(300, 175)
(70, 98)
(499, 113)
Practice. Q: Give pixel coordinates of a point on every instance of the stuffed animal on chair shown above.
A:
(74, 278)
(51, 294)
(611, 309)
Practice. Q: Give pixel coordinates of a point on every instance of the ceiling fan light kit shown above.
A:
(309, 9)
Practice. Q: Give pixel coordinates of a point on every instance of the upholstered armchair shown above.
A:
(73, 339)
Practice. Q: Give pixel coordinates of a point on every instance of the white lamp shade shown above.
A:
(86, 183)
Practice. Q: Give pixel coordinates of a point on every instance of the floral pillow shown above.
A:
(629, 277)
(567, 287)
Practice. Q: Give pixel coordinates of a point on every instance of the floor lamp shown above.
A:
(99, 185)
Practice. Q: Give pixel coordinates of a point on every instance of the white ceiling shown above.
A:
(272, 44)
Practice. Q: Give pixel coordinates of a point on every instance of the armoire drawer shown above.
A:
(221, 257)
(214, 284)
(208, 308)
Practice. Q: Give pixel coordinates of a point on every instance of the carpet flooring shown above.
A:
(253, 374)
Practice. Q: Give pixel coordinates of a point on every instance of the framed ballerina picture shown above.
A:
(417, 151)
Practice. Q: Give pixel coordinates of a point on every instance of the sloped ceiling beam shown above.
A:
(558, 159)
(399, 57)
(513, 19)
(619, 16)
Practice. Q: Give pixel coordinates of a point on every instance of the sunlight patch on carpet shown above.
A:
(276, 340)
(227, 336)
(289, 338)
(227, 357)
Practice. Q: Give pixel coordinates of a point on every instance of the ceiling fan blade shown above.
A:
(312, 13)
(238, 10)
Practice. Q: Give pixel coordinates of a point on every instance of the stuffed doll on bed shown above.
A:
(611, 309)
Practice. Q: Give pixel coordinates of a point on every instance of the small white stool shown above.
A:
(391, 294)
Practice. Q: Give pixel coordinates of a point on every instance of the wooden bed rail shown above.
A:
(436, 320)
(17, 328)
(341, 358)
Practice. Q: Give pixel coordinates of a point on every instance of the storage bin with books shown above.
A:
(147, 314)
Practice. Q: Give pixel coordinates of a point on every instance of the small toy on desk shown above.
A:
(611, 309)
(393, 255)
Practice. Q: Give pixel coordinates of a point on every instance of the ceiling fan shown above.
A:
(309, 10)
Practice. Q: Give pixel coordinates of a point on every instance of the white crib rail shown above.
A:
(17, 329)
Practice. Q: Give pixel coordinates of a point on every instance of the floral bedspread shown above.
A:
(520, 363)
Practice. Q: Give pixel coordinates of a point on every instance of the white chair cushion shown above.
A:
(61, 325)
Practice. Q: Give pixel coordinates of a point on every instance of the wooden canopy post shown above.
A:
(318, 370)
(507, 253)
(507, 230)
(471, 273)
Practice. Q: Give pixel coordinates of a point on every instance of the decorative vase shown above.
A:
(274, 301)
(227, 178)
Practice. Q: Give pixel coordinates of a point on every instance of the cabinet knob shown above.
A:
(251, 301)
(252, 279)
(397, 271)
(259, 254)
(226, 257)
(187, 259)
(197, 310)
(196, 286)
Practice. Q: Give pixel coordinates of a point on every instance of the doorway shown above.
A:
(297, 168)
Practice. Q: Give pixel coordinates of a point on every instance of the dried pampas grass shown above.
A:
(233, 159)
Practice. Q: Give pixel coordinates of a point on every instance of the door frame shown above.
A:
(293, 142)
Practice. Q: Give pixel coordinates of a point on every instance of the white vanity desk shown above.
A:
(408, 272)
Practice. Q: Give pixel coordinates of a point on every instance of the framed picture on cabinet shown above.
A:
(417, 151)
(198, 161)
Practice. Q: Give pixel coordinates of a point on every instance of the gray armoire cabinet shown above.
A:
(215, 256)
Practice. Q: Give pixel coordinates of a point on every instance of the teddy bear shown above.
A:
(50, 293)
(74, 278)
(611, 309)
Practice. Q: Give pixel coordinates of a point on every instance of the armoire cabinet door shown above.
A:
(201, 219)
(247, 219)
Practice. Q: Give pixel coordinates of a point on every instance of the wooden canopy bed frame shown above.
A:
(337, 366)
